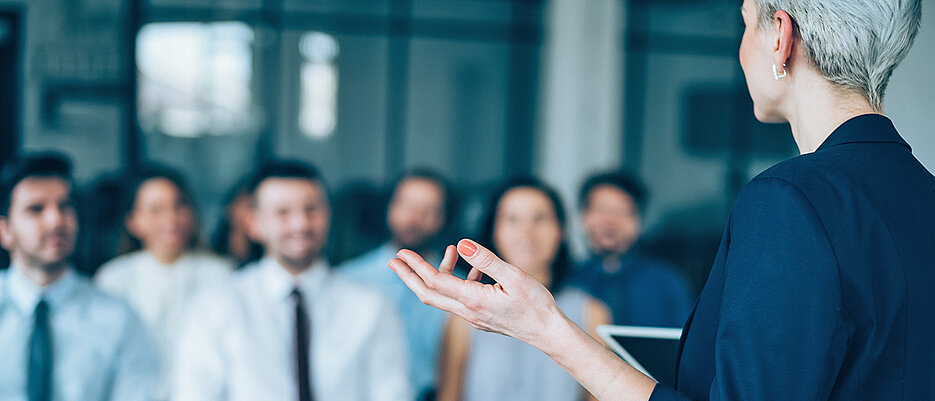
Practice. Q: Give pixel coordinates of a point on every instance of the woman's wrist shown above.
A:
(557, 331)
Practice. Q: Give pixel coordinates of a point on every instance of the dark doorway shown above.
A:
(9, 91)
(9, 81)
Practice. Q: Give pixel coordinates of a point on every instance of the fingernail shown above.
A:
(467, 248)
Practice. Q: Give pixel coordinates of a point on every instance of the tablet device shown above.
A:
(651, 350)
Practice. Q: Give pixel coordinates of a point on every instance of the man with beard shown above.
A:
(416, 214)
(60, 338)
(285, 328)
(639, 290)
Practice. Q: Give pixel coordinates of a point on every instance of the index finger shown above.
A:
(433, 278)
(442, 283)
(425, 294)
(485, 261)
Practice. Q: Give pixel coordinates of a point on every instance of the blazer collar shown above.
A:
(864, 128)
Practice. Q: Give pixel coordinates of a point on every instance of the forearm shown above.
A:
(598, 369)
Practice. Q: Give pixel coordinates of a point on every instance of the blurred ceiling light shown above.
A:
(4, 30)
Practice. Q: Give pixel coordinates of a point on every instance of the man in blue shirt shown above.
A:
(639, 290)
(416, 214)
(60, 338)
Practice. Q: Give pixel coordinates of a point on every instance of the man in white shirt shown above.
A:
(60, 338)
(285, 328)
(416, 214)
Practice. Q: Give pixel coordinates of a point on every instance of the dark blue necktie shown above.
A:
(39, 383)
(302, 340)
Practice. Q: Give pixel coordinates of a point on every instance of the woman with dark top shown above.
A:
(824, 283)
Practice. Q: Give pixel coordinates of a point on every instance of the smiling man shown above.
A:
(285, 328)
(640, 290)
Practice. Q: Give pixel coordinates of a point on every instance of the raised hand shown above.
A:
(520, 307)
(517, 306)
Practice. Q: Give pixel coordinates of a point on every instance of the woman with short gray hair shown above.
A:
(823, 285)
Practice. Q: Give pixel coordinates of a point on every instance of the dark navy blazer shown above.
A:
(824, 284)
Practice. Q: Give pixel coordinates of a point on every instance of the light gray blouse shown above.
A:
(503, 368)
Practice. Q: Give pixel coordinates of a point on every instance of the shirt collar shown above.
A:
(25, 293)
(389, 248)
(152, 261)
(279, 282)
(864, 128)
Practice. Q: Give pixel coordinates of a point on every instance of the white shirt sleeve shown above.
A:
(111, 278)
(199, 374)
(136, 365)
(389, 365)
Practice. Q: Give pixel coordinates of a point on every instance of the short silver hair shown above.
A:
(853, 43)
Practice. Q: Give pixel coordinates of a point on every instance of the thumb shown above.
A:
(484, 260)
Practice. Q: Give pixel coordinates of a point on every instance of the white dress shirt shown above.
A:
(161, 293)
(100, 349)
(238, 341)
(422, 324)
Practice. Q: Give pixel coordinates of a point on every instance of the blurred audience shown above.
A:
(161, 268)
(525, 224)
(60, 338)
(285, 328)
(360, 207)
(232, 236)
(640, 290)
(416, 214)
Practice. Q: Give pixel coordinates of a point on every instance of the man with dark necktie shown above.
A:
(286, 328)
(60, 338)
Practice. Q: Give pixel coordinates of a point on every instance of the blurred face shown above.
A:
(162, 218)
(42, 225)
(756, 60)
(239, 212)
(416, 212)
(611, 220)
(292, 218)
(526, 230)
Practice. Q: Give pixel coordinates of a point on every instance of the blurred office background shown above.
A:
(479, 89)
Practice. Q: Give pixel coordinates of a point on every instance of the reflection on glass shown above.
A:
(4, 30)
(195, 78)
(318, 108)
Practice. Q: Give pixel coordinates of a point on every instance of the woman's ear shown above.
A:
(251, 226)
(132, 225)
(5, 236)
(785, 36)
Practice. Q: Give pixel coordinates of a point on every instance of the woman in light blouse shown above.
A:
(163, 267)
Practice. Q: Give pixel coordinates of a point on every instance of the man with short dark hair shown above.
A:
(286, 328)
(60, 338)
(639, 290)
(416, 213)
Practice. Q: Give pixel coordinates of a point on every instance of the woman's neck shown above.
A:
(542, 275)
(818, 108)
(167, 257)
